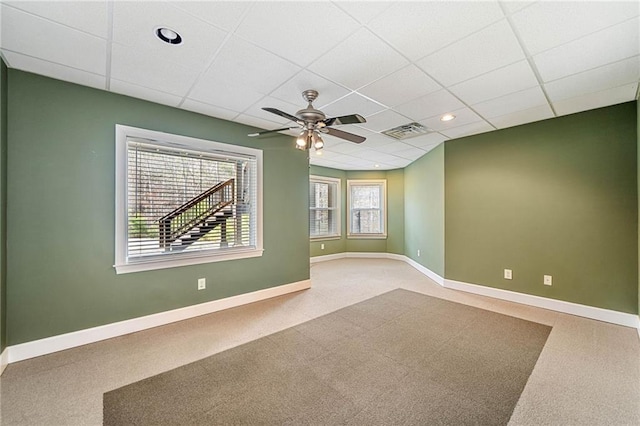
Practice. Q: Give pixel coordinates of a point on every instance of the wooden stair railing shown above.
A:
(195, 212)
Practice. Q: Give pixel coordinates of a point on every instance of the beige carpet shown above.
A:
(398, 358)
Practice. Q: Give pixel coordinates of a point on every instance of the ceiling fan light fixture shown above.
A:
(318, 142)
(301, 142)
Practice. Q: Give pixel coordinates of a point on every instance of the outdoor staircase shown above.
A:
(197, 217)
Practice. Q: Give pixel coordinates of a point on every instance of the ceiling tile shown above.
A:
(600, 99)
(469, 129)
(255, 122)
(548, 24)
(610, 45)
(419, 28)
(291, 91)
(433, 104)
(427, 141)
(605, 77)
(513, 102)
(352, 104)
(393, 147)
(90, 17)
(410, 154)
(512, 6)
(486, 50)
(49, 69)
(413, 84)
(541, 112)
(33, 36)
(210, 110)
(238, 78)
(384, 120)
(345, 147)
(134, 24)
(136, 66)
(147, 94)
(223, 14)
(299, 32)
(509, 79)
(358, 61)
(364, 11)
(463, 116)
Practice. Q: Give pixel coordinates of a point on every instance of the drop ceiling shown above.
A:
(492, 64)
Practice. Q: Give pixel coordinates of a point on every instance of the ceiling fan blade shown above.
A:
(270, 131)
(345, 119)
(344, 135)
(282, 114)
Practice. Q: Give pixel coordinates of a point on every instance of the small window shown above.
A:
(367, 208)
(183, 201)
(324, 207)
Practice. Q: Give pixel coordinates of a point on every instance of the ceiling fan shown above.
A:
(313, 122)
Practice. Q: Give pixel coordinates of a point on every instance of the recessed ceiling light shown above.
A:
(168, 35)
(376, 165)
(447, 117)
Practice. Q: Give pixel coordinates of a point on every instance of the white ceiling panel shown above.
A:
(610, 45)
(145, 93)
(223, 14)
(135, 23)
(410, 154)
(136, 66)
(436, 103)
(419, 28)
(291, 91)
(300, 33)
(392, 62)
(548, 24)
(364, 11)
(30, 35)
(206, 109)
(359, 60)
(486, 50)
(352, 104)
(509, 79)
(513, 102)
(401, 86)
(541, 112)
(89, 16)
(427, 141)
(469, 129)
(595, 80)
(49, 69)
(463, 116)
(589, 101)
(385, 120)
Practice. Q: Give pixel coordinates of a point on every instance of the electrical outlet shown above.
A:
(321, 246)
(508, 274)
(548, 280)
(418, 253)
(202, 283)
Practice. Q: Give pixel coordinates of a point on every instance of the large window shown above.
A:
(182, 201)
(367, 208)
(324, 207)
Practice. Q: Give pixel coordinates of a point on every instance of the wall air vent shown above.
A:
(407, 131)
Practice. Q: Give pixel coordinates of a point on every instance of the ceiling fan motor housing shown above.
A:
(310, 114)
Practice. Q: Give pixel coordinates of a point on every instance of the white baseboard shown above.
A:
(82, 337)
(327, 257)
(4, 360)
(606, 315)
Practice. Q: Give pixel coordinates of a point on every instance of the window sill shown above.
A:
(195, 259)
(325, 238)
(367, 236)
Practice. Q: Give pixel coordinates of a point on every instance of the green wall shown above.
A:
(638, 166)
(424, 210)
(394, 243)
(556, 197)
(3, 204)
(61, 212)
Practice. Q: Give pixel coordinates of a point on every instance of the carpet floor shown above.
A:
(398, 358)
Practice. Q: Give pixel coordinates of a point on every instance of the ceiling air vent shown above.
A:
(407, 131)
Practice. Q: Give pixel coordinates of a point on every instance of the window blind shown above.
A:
(324, 212)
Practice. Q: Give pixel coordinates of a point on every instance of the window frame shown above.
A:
(122, 264)
(337, 209)
(383, 208)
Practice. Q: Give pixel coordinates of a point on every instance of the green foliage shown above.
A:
(142, 227)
